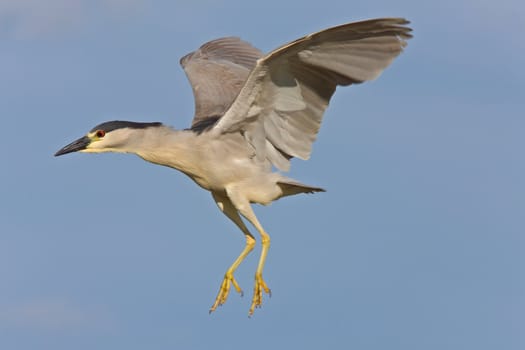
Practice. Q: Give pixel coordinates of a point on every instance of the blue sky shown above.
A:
(418, 243)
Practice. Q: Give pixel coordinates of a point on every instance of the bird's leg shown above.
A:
(260, 285)
(226, 206)
(244, 207)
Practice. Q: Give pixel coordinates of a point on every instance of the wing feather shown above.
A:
(281, 105)
(217, 71)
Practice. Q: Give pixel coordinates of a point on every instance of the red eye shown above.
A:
(100, 133)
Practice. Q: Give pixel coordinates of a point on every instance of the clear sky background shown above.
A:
(418, 243)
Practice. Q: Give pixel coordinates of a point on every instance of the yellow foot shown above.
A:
(225, 290)
(258, 289)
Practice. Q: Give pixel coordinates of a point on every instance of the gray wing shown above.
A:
(217, 71)
(280, 107)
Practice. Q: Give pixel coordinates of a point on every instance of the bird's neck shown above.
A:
(166, 146)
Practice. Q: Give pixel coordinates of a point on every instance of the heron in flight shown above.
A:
(253, 114)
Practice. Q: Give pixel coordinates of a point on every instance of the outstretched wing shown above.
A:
(281, 105)
(217, 71)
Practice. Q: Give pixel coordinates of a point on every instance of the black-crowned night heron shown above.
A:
(252, 113)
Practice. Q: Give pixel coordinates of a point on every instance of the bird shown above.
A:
(253, 114)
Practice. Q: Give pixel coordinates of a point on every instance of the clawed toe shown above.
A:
(258, 289)
(224, 291)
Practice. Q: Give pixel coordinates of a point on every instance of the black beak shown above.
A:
(75, 146)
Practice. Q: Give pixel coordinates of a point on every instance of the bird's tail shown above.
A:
(291, 187)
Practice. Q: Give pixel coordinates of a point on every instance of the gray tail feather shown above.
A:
(290, 188)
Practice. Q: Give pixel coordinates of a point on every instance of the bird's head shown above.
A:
(114, 136)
